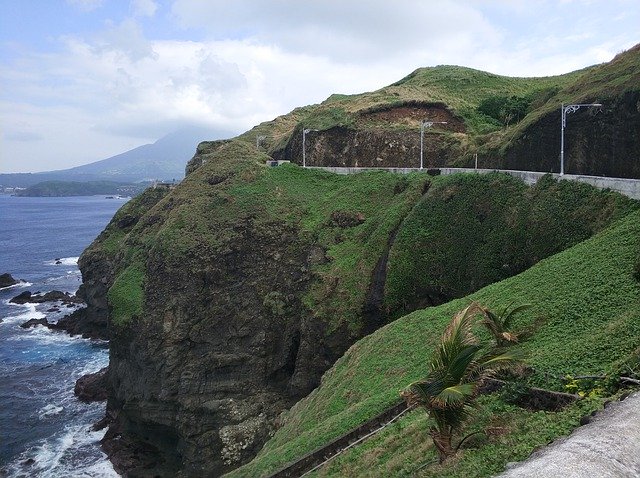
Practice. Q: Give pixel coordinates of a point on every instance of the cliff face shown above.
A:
(229, 296)
(383, 137)
(599, 141)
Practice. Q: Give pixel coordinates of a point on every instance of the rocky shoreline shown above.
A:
(88, 388)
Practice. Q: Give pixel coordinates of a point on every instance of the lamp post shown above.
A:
(564, 110)
(426, 124)
(304, 152)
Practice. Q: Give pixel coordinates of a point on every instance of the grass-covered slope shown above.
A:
(469, 231)
(585, 301)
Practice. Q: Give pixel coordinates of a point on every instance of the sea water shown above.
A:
(45, 431)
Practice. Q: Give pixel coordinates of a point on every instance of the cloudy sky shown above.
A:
(81, 80)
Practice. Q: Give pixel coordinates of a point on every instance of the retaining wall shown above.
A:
(628, 187)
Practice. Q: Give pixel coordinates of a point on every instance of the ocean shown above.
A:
(44, 430)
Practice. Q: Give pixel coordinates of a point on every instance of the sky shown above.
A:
(82, 80)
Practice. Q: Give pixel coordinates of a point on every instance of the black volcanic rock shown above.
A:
(22, 298)
(92, 387)
(79, 322)
(27, 297)
(6, 280)
(33, 323)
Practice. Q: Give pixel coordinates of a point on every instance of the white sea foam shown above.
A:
(19, 285)
(45, 336)
(63, 261)
(75, 452)
(30, 312)
(49, 411)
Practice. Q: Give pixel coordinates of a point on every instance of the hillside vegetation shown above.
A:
(585, 307)
(509, 122)
(230, 295)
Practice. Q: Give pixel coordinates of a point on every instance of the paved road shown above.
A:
(607, 447)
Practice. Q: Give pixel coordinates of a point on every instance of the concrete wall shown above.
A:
(628, 187)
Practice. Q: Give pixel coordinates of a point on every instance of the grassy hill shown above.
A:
(585, 302)
(507, 121)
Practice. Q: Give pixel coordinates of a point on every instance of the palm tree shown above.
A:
(499, 323)
(456, 369)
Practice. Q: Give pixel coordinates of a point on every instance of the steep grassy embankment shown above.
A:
(471, 231)
(585, 307)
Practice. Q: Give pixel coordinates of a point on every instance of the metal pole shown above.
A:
(476, 158)
(304, 135)
(562, 120)
(564, 110)
(421, 142)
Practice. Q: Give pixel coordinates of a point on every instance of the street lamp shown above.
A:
(304, 138)
(564, 110)
(426, 124)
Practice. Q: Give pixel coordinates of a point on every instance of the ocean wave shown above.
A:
(45, 336)
(74, 452)
(49, 411)
(30, 313)
(63, 261)
(19, 285)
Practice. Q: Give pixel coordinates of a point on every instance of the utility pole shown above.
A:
(304, 152)
(563, 111)
(425, 124)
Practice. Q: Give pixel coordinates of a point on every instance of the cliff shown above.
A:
(228, 297)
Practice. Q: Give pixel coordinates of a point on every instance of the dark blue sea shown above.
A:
(44, 430)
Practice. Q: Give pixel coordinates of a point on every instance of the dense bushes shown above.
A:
(470, 231)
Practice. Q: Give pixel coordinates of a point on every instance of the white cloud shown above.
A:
(352, 32)
(251, 60)
(126, 39)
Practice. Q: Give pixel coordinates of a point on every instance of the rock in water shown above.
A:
(6, 280)
(21, 298)
(92, 387)
(34, 322)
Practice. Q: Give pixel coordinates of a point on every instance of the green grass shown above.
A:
(126, 295)
(503, 227)
(585, 301)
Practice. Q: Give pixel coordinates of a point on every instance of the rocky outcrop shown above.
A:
(27, 297)
(602, 141)
(219, 354)
(34, 323)
(6, 280)
(81, 322)
(92, 387)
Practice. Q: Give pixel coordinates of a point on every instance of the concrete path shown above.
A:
(607, 447)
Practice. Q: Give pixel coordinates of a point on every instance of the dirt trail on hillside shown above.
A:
(607, 447)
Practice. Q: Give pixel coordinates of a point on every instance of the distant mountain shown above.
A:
(164, 160)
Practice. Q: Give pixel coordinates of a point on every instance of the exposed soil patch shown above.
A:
(413, 114)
